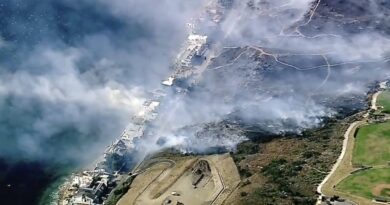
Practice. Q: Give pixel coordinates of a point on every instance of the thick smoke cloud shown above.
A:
(73, 72)
(287, 66)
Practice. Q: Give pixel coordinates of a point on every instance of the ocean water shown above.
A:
(58, 61)
(26, 182)
(48, 128)
(50, 195)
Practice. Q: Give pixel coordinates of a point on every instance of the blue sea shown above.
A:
(57, 60)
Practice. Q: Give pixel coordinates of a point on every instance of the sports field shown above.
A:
(372, 148)
(384, 100)
(372, 145)
(369, 183)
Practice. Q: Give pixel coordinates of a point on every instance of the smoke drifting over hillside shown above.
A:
(73, 71)
(286, 66)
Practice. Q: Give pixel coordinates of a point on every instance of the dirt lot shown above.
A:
(168, 181)
(382, 190)
(142, 181)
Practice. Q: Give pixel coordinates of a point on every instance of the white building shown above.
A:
(196, 46)
(81, 200)
(169, 81)
(81, 181)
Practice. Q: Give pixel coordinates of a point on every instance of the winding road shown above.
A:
(343, 166)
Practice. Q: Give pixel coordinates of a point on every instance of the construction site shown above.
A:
(183, 181)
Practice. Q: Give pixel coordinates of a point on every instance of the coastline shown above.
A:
(52, 194)
(76, 186)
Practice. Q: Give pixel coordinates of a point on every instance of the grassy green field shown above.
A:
(363, 183)
(384, 100)
(372, 146)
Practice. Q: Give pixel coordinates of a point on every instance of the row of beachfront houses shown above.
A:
(92, 187)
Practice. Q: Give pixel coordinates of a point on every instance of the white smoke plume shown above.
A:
(74, 71)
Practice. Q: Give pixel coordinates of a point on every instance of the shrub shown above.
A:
(310, 154)
(242, 194)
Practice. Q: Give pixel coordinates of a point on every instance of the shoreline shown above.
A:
(76, 188)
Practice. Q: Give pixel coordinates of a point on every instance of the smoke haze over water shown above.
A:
(74, 71)
(71, 74)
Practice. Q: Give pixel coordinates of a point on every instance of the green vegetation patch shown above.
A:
(384, 100)
(372, 146)
(119, 191)
(287, 169)
(363, 183)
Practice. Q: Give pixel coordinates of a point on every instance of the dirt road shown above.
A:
(343, 166)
